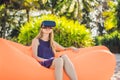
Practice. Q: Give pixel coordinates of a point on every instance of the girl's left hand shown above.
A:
(74, 49)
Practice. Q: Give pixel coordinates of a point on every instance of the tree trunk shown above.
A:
(79, 15)
(28, 16)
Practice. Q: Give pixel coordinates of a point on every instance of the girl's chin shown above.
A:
(47, 32)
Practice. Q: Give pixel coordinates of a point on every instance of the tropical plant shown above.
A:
(118, 14)
(112, 41)
(13, 15)
(4, 6)
(110, 17)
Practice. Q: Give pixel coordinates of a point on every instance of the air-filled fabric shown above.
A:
(17, 63)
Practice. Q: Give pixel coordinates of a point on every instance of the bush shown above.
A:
(67, 32)
(112, 41)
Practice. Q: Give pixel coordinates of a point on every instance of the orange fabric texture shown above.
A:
(17, 63)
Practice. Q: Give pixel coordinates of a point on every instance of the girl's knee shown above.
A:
(64, 56)
(58, 61)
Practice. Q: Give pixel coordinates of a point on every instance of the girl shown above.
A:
(44, 48)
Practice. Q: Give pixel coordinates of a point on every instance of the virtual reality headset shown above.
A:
(48, 24)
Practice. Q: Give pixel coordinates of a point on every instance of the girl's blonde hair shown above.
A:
(51, 37)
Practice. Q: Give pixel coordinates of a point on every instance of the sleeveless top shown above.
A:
(45, 51)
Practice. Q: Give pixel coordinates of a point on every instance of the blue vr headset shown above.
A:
(48, 24)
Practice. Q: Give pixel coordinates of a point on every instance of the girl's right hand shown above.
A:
(52, 58)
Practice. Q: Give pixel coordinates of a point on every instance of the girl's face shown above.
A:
(47, 30)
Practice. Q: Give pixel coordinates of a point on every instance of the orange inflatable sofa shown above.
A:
(91, 63)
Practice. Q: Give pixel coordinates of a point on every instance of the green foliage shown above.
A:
(111, 40)
(68, 8)
(24, 4)
(67, 32)
(110, 17)
(118, 14)
(2, 7)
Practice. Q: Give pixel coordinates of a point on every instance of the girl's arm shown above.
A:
(35, 43)
(58, 47)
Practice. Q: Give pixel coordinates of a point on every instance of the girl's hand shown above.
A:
(52, 58)
(74, 49)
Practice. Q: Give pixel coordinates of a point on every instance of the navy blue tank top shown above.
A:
(44, 49)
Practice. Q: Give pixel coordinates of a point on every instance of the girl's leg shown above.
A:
(69, 68)
(58, 65)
